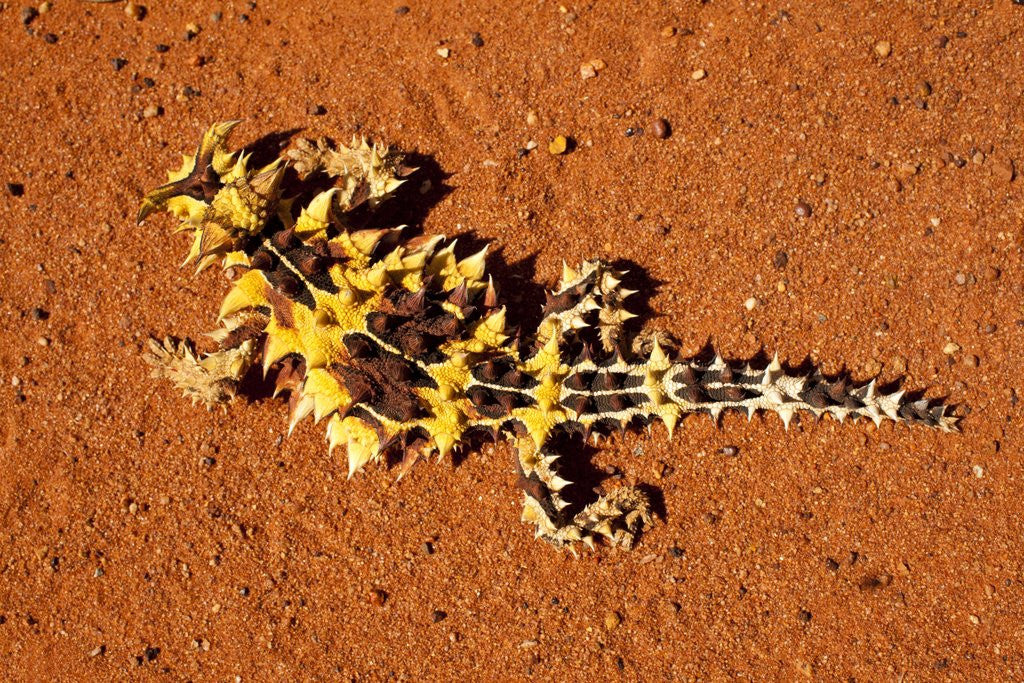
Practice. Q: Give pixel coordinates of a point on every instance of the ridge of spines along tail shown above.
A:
(608, 389)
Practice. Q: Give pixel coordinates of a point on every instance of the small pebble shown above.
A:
(216, 16)
(118, 63)
(378, 597)
(978, 471)
(438, 616)
(559, 145)
(28, 15)
(162, 47)
(960, 278)
(883, 48)
(152, 111)
(587, 71)
(661, 129)
(97, 651)
(699, 74)
(444, 52)
(43, 341)
(402, 10)
(668, 31)
(781, 259)
(950, 348)
(50, 38)
(477, 40)
(924, 89)
(971, 361)
(38, 313)
(612, 621)
(941, 41)
(15, 189)
(802, 209)
(316, 110)
(750, 303)
(730, 451)
(531, 118)
(804, 616)
(135, 11)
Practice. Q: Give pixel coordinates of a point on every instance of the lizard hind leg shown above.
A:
(618, 515)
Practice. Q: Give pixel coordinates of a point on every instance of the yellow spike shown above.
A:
(235, 301)
(568, 275)
(303, 408)
(495, 322)
(346, 296)
(670, 421)
(323, 317)
(315, 359)
(657, 353)
(358, 455)
(444, 443)
(320, 208)
(276, 348)
(366, 240)
(378, 275)
(472, 267)
(545, 405)
(447, 392)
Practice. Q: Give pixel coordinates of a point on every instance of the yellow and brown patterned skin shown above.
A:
(402, 347)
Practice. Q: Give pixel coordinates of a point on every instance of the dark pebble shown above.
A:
(804, 616)
(428, 548)
(28, 15)
(676, 551)
(477, 40)
(555, 601)
(661, 129)
(730, 451)
(208, 461)
(50, 38)
(630, 132)
(522, 152)
(152, 653)
(244, 591)
(161, 47)
(189, 91)
(54, 563)
(119, 63)
(781, 259)
(832, 565)
(15, 189)
(243, 18)
(438, 615)
(961, 34)
(148, 82)
(316, 110)
(402, 10)
(803, 209)
(40, 313)
(941, 42)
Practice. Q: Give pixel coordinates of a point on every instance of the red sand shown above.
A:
(828, 552)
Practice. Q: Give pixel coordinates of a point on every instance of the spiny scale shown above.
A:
(401, 346)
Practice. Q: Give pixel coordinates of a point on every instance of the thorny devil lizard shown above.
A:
(403, 348)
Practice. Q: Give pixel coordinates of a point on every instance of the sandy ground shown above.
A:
(142, 538)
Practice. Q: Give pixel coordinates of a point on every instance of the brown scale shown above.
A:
(375, 382)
